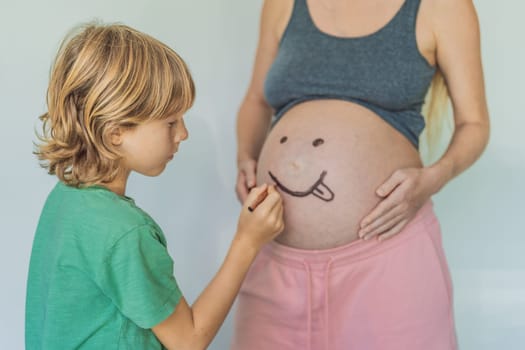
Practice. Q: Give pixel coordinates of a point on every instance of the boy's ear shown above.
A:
(115, 135)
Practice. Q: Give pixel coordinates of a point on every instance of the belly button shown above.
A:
(296, 165)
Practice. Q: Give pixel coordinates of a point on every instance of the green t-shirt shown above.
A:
(100, 275)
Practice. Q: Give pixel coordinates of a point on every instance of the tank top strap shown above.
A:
(300, 20)
(410, 9)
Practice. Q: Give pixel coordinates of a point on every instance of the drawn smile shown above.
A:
(318, 189)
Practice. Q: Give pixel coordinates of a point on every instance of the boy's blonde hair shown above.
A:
(106, 76)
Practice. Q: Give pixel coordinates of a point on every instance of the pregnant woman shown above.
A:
(360, 263)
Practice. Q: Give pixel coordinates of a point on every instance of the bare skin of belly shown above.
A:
(327, 158)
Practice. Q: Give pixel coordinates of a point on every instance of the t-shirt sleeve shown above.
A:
(137, 275)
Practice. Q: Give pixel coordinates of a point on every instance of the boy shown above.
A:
(100, 275)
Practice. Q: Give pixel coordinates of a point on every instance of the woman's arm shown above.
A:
(459, 58)
(458, 55)
(254, 116)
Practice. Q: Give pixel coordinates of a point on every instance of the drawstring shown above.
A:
(309, 306)
(326, 300)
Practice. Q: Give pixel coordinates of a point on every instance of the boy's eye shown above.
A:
(172, 124)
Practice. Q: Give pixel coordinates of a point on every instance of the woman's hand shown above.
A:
(246, 178)
(403, 194)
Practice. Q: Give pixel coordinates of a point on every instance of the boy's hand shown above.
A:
(261, 218)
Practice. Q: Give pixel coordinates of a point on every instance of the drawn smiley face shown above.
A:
(318, 189)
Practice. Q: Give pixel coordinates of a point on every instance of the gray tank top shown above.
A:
(383, 71)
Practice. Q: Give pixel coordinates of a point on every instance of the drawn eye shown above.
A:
(317, 142)
(283, 139)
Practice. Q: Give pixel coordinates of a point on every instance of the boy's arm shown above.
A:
(194, 328)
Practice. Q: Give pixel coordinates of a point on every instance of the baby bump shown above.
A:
(327, 158)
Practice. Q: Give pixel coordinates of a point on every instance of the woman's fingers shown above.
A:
(387, 225)
(394, 230)
(382, 223)
(384, 206)
(249, 173)
(246, 179)
(391, 183)
(240, 188)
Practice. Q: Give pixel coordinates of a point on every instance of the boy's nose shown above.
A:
(182, 134)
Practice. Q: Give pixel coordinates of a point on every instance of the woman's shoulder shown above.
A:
(276, 14)
(447, 10)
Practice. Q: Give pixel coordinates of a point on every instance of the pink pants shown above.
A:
(367, 295)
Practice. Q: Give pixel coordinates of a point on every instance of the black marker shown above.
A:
(258, 201)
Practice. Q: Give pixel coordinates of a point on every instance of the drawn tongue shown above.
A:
(324, 192)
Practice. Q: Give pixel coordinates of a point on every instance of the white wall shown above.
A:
(193, 200)
(482, 210)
